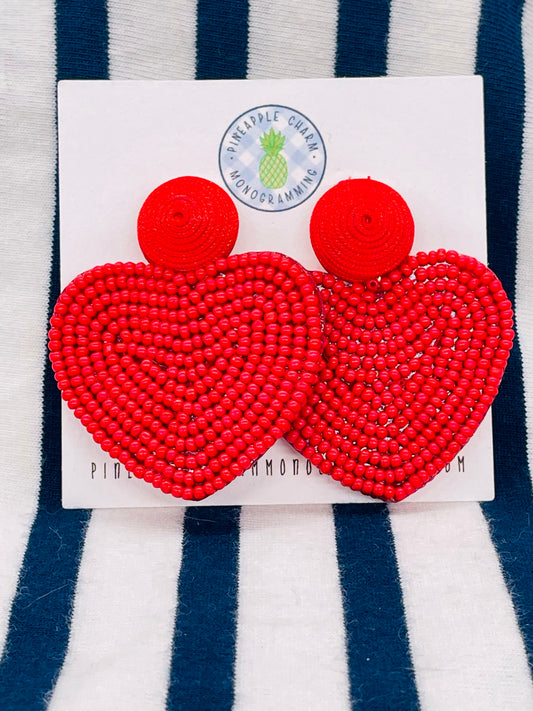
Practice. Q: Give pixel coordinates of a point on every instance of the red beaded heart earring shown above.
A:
(416, 346)
(187, 369)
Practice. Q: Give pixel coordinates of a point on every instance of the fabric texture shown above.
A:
(365, 607)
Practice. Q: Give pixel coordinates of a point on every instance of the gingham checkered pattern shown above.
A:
(240, 169)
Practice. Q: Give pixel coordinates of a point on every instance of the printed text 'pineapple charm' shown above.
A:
(272, 158)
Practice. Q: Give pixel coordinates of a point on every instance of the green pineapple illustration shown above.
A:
(273, 170)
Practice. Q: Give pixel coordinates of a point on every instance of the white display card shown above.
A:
(118, 140)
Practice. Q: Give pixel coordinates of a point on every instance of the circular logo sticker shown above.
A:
(272, 158)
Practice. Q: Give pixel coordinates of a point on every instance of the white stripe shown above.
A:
(465, 645)
(27, 197)
(432, 37)
(524, 283)
(152, 40)
(290, 632)
(123, 621)
(122, 628)
(291, 649)
(465, 642)
(289, 38)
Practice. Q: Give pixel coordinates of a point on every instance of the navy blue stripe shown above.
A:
(500, 61)
(40, 617)
(222, 39)
(379, 661)
(362, 32)
(381, 672)
(82, 38)
(203, 654)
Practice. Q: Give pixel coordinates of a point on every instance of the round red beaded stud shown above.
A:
(187, 377)
(187, 222)
(412, 363)
(361, 229)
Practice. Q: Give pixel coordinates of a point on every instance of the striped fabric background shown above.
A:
(352, 607)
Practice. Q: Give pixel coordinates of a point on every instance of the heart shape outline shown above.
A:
(129, 345)
(439, 329)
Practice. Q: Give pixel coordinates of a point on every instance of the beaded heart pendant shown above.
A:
(187, 377)
(413, 358)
